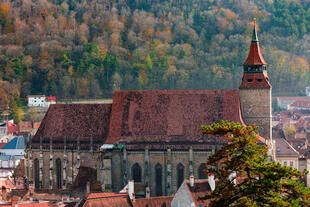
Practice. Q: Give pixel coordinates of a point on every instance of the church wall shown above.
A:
(87, 158)
(155, 157)
(256, 108)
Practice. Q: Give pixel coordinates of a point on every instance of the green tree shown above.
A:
(259, 182)
(16, 112)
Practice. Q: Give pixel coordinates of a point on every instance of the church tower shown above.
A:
(255, 90)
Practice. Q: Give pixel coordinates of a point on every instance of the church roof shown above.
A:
(255, 56)
(73, 121)
(169, 115)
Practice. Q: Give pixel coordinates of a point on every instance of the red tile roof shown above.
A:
(200, 188)
(169, 115)
(105, 195)
(51, 98)
(25, 126)
(12, 128)
(255, 56)
(45, 204)
(294, 98)
(121, 200)
(153, 202)
(304, 104)
(2, 145)
(73, 121)
(36, 125)
(254, 81)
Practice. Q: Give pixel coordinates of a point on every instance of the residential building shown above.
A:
(36, 100)
(40, 101)
(284, 102)
(189, 193)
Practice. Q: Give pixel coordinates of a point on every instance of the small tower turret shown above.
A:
(255, 90)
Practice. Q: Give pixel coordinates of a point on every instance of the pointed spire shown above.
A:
(254, 35)
(255, 57)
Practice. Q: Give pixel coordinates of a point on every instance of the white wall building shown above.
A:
(37, 100)
(40, 101)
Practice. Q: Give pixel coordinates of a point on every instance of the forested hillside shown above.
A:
(88, 48)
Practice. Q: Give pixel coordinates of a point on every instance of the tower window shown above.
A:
(259, 80)
(250, 80)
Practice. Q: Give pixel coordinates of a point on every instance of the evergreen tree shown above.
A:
(245, 176)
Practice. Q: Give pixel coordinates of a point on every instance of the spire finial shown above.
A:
(254, 36)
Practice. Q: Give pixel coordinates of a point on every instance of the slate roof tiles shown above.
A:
(169, 115)
(73, 121)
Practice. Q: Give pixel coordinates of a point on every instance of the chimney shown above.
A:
(131, 189)
(211, 181)
(30, 196)
(191, 181)
(88, 187)
(147, 192)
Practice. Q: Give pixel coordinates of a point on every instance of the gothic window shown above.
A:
(136, 173)
(201, 174)
(36, 173)
(58, 173)
(180, 174)
(158, 179)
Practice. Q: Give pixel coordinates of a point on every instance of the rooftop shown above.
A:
(16, 143)
(169, 115)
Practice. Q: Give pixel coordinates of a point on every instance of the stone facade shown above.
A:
(117, 165)
(256, 109)
(47, 170)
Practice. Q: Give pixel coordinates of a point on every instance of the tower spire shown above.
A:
(255, 62)
(254, 35)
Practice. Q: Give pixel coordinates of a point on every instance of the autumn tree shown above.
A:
(245, 176)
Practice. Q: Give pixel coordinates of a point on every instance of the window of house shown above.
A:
(285, 163)
(291, 163)
(136, 173)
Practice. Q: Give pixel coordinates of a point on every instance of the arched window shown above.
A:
(158, 179)
(163, 205)
(201, 174)
(36, 173)
(136, 173)
(180, 174)
(58, 173)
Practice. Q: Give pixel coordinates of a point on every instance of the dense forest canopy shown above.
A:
(89, 48)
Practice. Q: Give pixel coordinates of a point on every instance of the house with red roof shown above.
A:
(150, 136)
(191, 192)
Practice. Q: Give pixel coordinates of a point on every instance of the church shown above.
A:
(152, 137)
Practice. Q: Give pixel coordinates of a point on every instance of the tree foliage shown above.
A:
(259, 182)
(73, 49)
